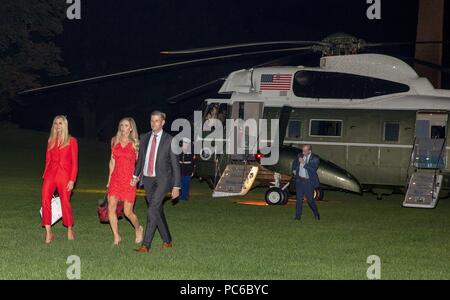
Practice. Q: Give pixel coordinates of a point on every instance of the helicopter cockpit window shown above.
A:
(391, 131)
(330, 128)
(335, 85)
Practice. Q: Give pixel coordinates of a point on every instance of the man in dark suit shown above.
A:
(304, 168)
(158, 169)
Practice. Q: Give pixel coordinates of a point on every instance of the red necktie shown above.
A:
(151, 159)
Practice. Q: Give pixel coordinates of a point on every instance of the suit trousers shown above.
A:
(185, 186)
(156, 191)
(304, 187)
(48, 188)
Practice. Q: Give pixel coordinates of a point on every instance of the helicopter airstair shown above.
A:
(236, 179)
(425, 181)
(241, 169)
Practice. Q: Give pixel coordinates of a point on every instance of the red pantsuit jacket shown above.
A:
(62, 162)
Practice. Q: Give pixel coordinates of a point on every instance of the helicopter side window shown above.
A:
(330, 85)
(294, 129)
(379, 87)
(437, 132)
(330, 128)
(339, 86)
(304, 84)
(335, 85)
(391, 131)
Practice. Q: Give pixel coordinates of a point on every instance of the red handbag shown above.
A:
(102, 210)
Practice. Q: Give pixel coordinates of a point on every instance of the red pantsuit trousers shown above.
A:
(48, 188)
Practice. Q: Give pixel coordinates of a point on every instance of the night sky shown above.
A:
(117, 35)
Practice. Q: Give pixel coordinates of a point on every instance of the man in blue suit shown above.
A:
(304, 169)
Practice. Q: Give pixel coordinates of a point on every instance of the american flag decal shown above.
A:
(275, 82)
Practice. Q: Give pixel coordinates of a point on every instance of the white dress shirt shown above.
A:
(302, 171)
(147, 155)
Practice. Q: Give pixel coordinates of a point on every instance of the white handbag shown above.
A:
(56, 209)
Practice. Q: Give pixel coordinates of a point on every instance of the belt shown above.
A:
(303, 178)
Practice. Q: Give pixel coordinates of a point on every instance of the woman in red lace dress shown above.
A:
(124, 149)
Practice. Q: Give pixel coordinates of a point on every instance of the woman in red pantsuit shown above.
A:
(61, 167)
(124, 149)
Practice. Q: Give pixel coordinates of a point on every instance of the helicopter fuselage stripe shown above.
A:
(350, 144)
(326, 143)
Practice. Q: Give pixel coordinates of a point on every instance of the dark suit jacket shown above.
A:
(167, 165)
(311, 167)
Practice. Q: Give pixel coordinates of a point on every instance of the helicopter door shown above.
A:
(431, 136)
(239, 176)
(252, 111)
(431, 125)
(244, 137)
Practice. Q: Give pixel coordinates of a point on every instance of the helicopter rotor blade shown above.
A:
(237, 46)
(163, 67)
(194, 91)
(281, 61)
(212, 84)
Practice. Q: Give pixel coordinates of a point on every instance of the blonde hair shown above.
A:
(158, 113)
(59, 140)
(133, 136)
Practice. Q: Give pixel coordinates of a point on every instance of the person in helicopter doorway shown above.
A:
(187, 164)
(304, 168)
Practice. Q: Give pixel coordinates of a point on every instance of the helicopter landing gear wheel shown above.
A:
(275, 196)
(286, 197)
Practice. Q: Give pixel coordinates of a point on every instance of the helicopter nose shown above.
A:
(335, 176)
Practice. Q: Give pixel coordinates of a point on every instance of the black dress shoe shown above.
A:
(297, 219)
(317, 217)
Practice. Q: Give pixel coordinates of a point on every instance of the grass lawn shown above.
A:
(213, 238)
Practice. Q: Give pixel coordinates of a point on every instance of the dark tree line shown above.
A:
(28, 55)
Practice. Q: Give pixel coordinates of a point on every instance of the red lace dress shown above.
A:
(119, 185)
